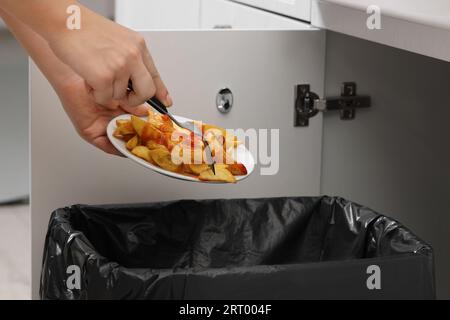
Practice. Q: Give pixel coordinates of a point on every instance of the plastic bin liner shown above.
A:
(275, 248)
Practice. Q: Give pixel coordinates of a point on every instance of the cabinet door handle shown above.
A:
(223, 26)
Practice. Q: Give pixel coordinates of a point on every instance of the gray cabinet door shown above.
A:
(260, 67)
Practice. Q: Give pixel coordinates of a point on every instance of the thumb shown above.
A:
(139, 111)
(162, 94)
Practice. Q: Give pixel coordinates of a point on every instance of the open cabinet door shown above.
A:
(261, 68)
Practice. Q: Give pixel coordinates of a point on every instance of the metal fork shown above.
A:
(188, 125)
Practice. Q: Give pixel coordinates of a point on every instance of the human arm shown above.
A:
(103, 53)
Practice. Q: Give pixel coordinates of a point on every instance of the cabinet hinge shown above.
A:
(308, 103)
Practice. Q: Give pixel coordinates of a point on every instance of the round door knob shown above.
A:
(224, 100)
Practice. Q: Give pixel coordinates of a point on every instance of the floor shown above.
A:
(15, 255)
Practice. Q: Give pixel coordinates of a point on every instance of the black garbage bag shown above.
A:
(279, 248)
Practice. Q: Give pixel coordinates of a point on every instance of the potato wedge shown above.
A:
(152, 141)
(163, 158)
(237, 169)
(222, 175)
(155, 119)
(208, 127)
(121, 122)
(149, 132)
(154, 145)
(143, 153)
(231, 142)
(138, 124)
(198, 168)
(133, 142)
(187, 169)
(128, 137)
(166, 125)
(117, 133)
(126, 128)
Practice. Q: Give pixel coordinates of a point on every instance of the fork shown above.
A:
(188, 125)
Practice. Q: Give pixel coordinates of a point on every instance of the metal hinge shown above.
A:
(308, 104)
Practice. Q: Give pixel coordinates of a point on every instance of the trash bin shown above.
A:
(273, 248)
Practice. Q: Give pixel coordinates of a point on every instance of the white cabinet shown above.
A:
(260, 68)
(158, 14)
(300, 9)
(414, 25)
(224, 14)
(200, 14)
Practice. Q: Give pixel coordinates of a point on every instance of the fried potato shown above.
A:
(138, 124)
(187, 169)
(120, 122)
(143, 153)
(231, 142)
(209, 127)
(198, 168)
(197, 156)
(133, 142)
(166, 125)
(126, 128)
(128, 137)
(154, 118)
(163, 158)
(222, 175)
(237, 169)
(149, 132)
(153, 145)
(117, 133)
(152, 141)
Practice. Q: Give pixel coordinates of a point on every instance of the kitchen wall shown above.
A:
(15, 243)
(14, 173)
(104, 7)
(395, 156)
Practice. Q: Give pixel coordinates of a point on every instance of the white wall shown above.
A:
(395, 156)
(104, 7)
(14, 173)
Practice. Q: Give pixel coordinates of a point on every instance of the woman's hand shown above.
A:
(89, 118)
(107, 55)
(94, 65)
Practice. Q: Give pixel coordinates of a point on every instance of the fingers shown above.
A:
(121, 88)
(161, 90)
(103, 90)
(140, 111)
(105, 145)
(110, 105)
(143, 86)
(136, 65)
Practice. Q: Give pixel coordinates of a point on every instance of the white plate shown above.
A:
(243, 155)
